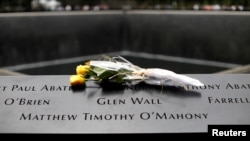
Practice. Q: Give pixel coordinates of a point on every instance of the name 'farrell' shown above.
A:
(222, 100)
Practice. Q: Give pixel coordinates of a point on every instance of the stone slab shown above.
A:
(47, 104)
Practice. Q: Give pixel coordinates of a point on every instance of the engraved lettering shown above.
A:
(3, 88)
(104, 101)
(90, 116)
(145, 101)
(55, 88)
(62, 117)
(23, 88)
(228, 100)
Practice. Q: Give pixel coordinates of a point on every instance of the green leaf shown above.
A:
(103, 73)
(109, 75)
(118, 79)
(90, 74)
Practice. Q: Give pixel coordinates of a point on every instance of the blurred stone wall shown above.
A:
(223, 38)
(218, 37)
(26, 39)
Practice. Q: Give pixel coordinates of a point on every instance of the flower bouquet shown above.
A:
(119, 70)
